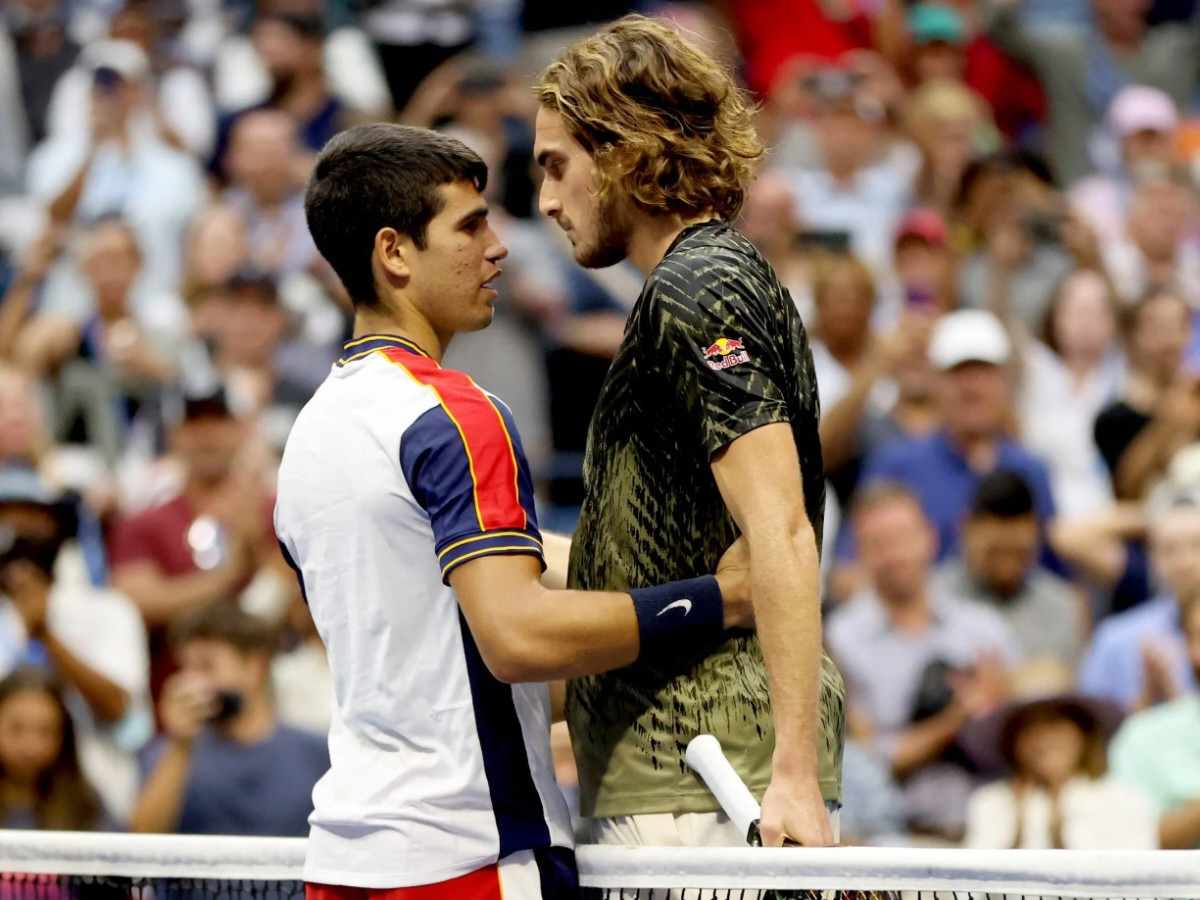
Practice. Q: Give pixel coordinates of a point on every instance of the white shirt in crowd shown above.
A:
(104, 630)
(1097, 814)
(1057, 423)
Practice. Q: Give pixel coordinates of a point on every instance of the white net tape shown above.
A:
(644, 872)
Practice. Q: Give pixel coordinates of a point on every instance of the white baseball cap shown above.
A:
(968, 335)
(123, 57)
(1141, 108)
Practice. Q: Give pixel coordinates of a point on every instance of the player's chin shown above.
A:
(484, 311)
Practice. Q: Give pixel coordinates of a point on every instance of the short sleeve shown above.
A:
(465, 466)
(711, 336)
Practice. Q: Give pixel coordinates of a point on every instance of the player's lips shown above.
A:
(487, 282)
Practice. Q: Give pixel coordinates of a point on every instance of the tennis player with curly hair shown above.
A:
(706, 427)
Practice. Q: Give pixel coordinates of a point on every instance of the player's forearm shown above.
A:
(785, 578)
(161, 801)
(566, 634)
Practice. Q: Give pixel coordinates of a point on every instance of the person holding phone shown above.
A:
(225, 764)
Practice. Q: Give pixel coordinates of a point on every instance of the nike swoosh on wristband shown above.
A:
(685, 604)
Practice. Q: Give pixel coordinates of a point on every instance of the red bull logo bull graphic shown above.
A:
(725, 353)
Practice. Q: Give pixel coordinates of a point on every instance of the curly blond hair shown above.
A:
(664, 122)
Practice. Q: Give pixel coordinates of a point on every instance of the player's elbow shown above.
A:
(513, 657)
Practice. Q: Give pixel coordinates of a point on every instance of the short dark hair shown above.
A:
(380, 176)
(228, 623)
(1002, 495)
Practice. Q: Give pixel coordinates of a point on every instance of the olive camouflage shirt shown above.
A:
(713, 349)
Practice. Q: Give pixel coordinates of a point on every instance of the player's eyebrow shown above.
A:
(479, 212)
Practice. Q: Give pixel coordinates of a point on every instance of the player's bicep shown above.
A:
(759, 477)
(494, 592)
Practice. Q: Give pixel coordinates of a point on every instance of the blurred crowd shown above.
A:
(985, 210)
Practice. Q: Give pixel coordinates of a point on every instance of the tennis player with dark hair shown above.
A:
(405, 505)
(706, 427)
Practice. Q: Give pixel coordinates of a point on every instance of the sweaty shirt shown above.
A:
(714, 348)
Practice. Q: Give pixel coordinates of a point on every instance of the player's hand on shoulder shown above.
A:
(793, 809)
(733, 575)
(187, 704)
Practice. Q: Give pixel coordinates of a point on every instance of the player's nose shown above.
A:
(548, 204)
(496, 251)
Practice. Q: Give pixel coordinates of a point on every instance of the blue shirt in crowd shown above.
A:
(1113, 667)
(934, 469)
(260, 789)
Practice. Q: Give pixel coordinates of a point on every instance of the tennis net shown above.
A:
(77, 866)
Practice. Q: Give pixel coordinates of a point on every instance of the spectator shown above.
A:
(14, 138)
(1057, 794)
(91, 638)
(217, 249)
(918, 664)
(414, 37)
(862, 181)
(1083, 69)
(924, 267)
(1070, 372)
(1158, 411)
(289, 37)
(1159, 249)
(772, 222)
(1139, 657)
(855, 367)
(45, 51)
(999, 568)
(932, 41)
(108, 371)
(1141, 122)
(24, 438)
(204, 545)
(1022, 251)
(268, 372)
(119, 166)
(178, 107)
(971, 353)
(41, 783)
(952, 126)
(1155, 752)
(225, 765)
(266, 191)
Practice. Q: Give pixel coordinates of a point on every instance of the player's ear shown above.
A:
(393, 255)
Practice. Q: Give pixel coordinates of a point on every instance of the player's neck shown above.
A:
(652, 236)
(413, 326)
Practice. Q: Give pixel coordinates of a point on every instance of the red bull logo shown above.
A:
(725, 353)
(723, 347)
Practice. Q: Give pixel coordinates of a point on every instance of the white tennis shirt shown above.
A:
(396, 471)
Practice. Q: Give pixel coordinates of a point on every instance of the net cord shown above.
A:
(1059, 873)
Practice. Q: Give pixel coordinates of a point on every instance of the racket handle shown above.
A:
(706, 759)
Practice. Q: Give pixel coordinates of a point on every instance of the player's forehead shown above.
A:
(550, 136)
(458, 199)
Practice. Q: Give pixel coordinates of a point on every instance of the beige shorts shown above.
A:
(711, 829)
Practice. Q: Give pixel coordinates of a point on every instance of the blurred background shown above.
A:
(985, 211)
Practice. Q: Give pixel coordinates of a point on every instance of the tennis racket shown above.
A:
(706, 759)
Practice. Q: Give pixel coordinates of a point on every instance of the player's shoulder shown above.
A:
(707, 256)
